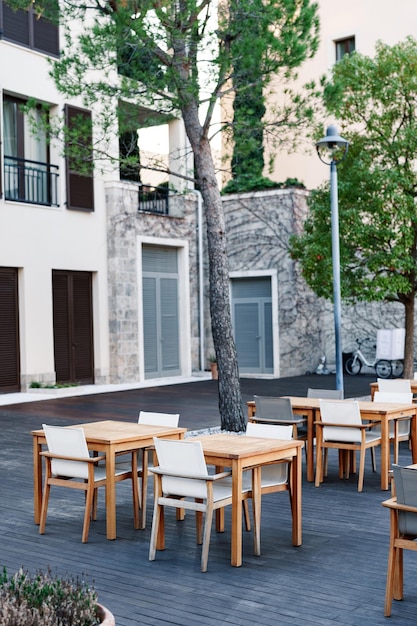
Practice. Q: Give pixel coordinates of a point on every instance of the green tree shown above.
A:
(175, 57)
(376, 100)
(261, 53)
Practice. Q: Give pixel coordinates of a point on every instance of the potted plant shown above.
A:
(213, 366)
(43, 599)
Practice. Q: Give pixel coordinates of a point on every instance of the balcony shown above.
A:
(154, 199)
(31, 182)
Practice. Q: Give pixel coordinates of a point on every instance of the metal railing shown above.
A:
(32, 182)
(154, 199)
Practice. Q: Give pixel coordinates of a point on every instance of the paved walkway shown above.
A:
(336, 578)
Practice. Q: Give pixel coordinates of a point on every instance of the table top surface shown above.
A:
(112, 431)
(232, 446)
(364, 405)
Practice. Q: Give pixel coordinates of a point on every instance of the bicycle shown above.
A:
(353, 365)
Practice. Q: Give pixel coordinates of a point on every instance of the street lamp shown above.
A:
(335, 148)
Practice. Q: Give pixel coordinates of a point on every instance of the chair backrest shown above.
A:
(385, 396)
(343, 413)
(272, 431)
(330, 394)
(267, 407)
(159, 419)
(394, 385)
(182, 457)
(405, 480)
(67, 442)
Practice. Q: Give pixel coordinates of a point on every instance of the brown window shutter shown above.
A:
(45, 36)
(62, 346)
(82, 326)
(9, 331)
(80, 185)
(16, 25)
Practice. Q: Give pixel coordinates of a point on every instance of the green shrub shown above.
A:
(43, 599)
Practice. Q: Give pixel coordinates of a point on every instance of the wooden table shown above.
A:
(382, 412)
(374, 387)
(242, 453)
(110, 437)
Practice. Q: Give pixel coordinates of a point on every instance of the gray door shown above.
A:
(160, 311)
(252, 324)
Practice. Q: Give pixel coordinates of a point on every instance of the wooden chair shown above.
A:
(394, 385)
(325, 394)
(399, 429)
(183, 482)
(68, 464)
(341, 427)
(143, 461)
(278, 411)
(403, 531)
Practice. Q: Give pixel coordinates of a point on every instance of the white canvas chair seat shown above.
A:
(341, 427)
(68, 464)
(183, 482)
(403, 531)
(399, 430)
(144, 458)
(325, 394)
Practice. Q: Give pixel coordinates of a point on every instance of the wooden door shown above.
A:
(73, 327)
(9, 331)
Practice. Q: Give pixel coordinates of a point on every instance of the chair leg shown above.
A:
(44, 509)
(319, 465)
(206, 536)
(395, 569)
(135, 492)
(246, 515)
(155, 528)
(144, 488)
(199, 525)
(88, 510)
(361, 467)
(373, 459)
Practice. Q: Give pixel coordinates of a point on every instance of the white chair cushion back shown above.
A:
(330, 394)
(67, 442)
(342, 413)
(269, 430)
(385, 396)
(394, 385)
(159, 419)
(277, 473)
(182, 457)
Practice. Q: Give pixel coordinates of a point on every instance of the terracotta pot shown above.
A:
(107, 618)
(213, 367)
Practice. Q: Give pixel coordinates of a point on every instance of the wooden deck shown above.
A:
(336, 577)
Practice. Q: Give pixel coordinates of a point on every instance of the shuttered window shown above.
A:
(79, 159)
(73, 326)
(28, 29)
(9, 331)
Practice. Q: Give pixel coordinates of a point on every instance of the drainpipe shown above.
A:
(200, 272)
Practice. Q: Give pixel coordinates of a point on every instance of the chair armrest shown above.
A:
(325, 424)
(94, 459)
(288, 422)
(210, 477)
(393, 504)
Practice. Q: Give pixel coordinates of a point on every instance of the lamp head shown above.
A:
(333, 144)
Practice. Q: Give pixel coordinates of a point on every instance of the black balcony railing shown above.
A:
(154, 199)
(32, 182)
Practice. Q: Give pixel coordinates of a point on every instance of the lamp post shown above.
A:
(336, 148)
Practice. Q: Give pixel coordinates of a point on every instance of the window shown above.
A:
(28, 175)
(29, 29)
(344, 46)
(79, 159)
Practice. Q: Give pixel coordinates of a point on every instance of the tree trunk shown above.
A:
(230, 399)
(409, 337)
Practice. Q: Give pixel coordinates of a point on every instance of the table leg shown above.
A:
(236, 549)
(310, 445)
(296, 509)
(384, 452)
(110, 493)
(256, 503)
(413, 437)
(37, 479)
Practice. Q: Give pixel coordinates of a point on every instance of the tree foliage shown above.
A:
(268, 40)
(376, 100)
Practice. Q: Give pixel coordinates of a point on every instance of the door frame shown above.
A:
(184, 321)
(273, 275)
